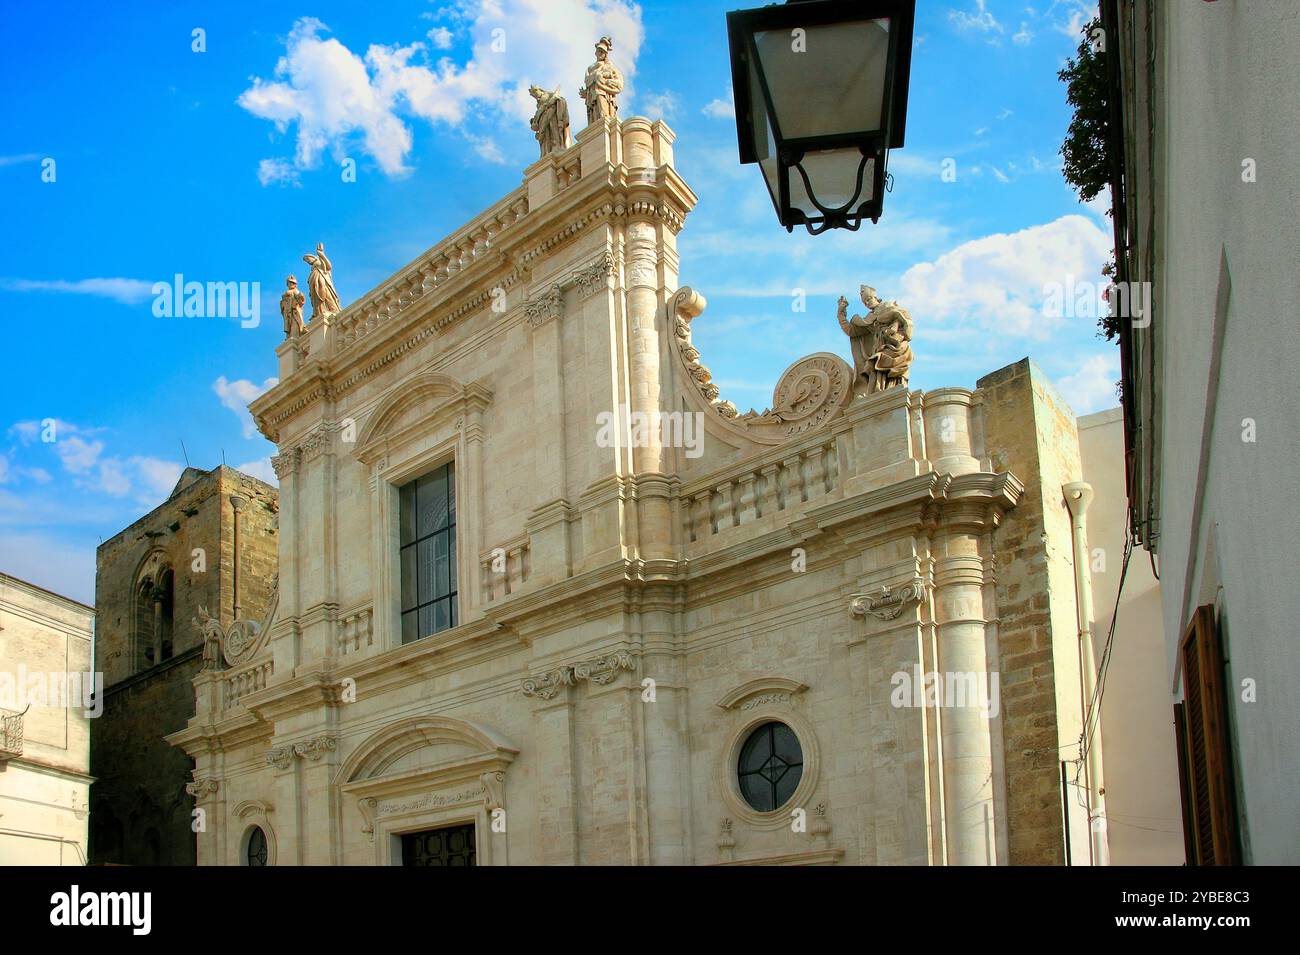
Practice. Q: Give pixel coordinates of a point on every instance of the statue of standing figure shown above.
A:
(604, 83)
(551, 121)
(320, 283)
(291, 303)
(880, 340)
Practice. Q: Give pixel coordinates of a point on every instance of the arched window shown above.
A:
(166, 600)
(255, 847)
(154, 608)
(143, 638)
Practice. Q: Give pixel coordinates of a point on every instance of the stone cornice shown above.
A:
(238, 728)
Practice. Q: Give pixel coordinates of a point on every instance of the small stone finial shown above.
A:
(551, 121)
(603, 84)
(291, 303)
(880, 341)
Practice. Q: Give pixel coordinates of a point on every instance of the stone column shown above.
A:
(317, 766)
(557, 801)
(471, 503)
(236, 505)
(548, 530)
(642, 253)
(285, 647)
(206, 791)
(964, 725)
(289, 832)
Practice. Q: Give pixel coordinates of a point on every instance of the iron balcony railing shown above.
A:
(11, 734)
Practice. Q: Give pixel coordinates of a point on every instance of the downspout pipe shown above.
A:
(1078, 495)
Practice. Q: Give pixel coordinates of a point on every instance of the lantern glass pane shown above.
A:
(764, 142)
(827, 81)
(834, 177)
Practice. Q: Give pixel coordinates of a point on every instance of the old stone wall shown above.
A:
(1031, 432)
(141, 814)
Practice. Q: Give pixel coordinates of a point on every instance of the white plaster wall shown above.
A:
(1143, 816)
(1231, 91)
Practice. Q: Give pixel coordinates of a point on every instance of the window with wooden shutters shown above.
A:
(1204, 757)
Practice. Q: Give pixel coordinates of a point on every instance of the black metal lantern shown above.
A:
(821, 97)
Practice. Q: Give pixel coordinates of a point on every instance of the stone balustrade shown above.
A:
(245, 680)
(356, 630)
(782, 480)
(505, 569)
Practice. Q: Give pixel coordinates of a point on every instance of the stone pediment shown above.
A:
(435, 745)
(414, 406)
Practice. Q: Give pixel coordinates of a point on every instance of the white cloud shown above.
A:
(1077, 13)
(1024, 36)
(236, 396)
(980, 21)
(440, 37)
(157, 476)
(260, 469)
(333, 96)
(113, 478)
(1092, 387)
(77, 454)
(996, 283)
(126, 291)
(722, 108)
(486, 148)
(659, 105)
(279, 172)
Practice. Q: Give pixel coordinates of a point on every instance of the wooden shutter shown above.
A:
(1204, 757)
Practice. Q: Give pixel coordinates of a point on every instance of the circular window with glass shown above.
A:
(255, 854)
(770, 767)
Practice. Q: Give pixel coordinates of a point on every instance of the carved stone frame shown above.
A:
(777, 699)
(479, 777)
(250, 813)
(451, 431)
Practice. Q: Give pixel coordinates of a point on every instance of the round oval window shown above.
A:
(256, 855)
(770, 766)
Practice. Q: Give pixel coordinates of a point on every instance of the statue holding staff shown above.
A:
(320, 284)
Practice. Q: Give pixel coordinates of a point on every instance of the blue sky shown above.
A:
(225, 165)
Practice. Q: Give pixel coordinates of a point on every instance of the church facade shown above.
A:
(545, 597)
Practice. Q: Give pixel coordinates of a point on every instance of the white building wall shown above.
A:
(44, 790)
(1229, 339)
(1144, 824)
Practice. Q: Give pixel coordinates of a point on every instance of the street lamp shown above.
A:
(821, 96)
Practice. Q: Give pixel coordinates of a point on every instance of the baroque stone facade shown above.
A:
(153, 579)
(629, 613)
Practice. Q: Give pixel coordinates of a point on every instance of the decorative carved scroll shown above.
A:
(809, 393)
(600, 670)
(238, 645)
(887, 604)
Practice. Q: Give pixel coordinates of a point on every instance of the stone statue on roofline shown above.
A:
(603, 84)
(320, 284)
(551, 121)
(291, 303)
(881, 342)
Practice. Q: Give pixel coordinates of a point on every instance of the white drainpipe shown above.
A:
(1078, 495)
